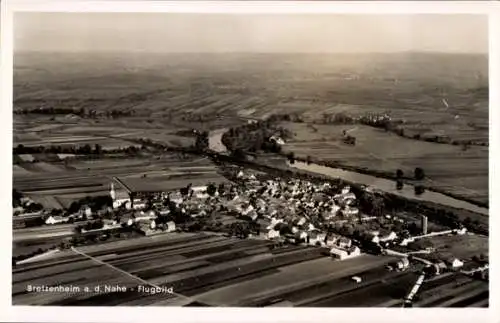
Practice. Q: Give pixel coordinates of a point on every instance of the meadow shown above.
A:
(168, 95)
(448, 167)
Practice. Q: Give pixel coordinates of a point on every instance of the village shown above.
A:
(253, 206)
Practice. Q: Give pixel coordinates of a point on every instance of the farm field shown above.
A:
(462, 247)
(230, 269)
(464, 173)
(410, 86)
(453, 290)
(76, 179)
(211, 270)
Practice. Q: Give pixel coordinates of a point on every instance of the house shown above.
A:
(301, 235)
(348, 198)
(317, 238)
(164, 212)
(272, 234)
(391, 236)
(55, 219)
(87, 211)
(139, 204)
(344, 242)
(277, 140)
(202, 195)
(461, 231)
(18, 210)
(331, 240)
(403, 264)
(109, 222)
(342, 254)
(146, 229)
(350, 211)
(170, 226)
(118, 202)
(127, 220)
(301, 221)
(144, 217)
(455, 262)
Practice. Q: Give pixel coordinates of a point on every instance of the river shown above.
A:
(389, 186)
(381, 184)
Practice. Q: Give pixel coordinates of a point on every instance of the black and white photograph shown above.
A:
(328, 160)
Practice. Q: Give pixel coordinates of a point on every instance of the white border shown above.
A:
(96, 314)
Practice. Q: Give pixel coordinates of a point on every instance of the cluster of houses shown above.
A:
(296, 211)
(25, 208)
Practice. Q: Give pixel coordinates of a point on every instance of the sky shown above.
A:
(204, 33)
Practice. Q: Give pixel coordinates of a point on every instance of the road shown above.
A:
(45, 231)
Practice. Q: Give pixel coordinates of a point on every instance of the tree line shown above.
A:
(81, 112)
(254, 137)
(86, 149)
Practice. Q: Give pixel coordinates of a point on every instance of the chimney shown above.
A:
(424, 224)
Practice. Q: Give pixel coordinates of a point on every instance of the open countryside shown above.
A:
(250, 179)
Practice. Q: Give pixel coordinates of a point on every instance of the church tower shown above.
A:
(112, 191)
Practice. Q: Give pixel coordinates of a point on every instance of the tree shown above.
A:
(308, 160)
(211, 189)
(467, 221)
(184, 191)
(16, 197)
(419, 190)
(221, 189)
(97, 149)
(419, 173)
(399, 184)
(399, 173)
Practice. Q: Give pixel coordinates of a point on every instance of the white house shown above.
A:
(145, 217)
(350, 211)
(273, 234)
(346, 190)
(342, 254)
(316, 238)
(170, 226)
(164, 212)
(278, 140)
(331, 240)
(456, 263)
(55, 219)
(344, 242)
(461, 231)
(302, 235)
(87, 211)
(389, 237)
(139, 204)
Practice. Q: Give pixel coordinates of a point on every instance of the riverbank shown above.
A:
(390, 176)
(441, 214)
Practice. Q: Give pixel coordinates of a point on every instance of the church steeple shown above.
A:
(112, 191)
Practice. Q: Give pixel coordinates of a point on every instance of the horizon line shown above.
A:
(90, 51)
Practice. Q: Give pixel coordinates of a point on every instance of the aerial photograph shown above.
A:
(250, 160)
